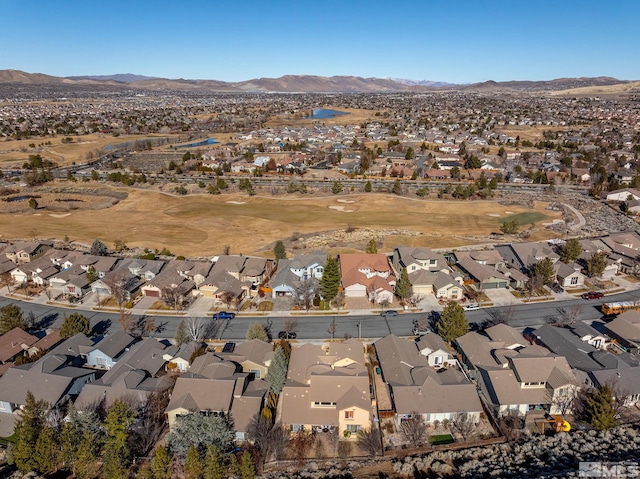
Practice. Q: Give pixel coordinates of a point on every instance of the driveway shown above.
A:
(501, 297)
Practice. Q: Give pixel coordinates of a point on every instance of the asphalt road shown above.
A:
(319, 327)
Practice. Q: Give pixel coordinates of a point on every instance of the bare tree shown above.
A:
(290, 325)
(502, 315)
(333, 327)
(228, 297)
(567, 316)
(198, 329)
(414, 429)
(6, 280)
(127, 322)
(464, 424)
(333, 438)
(305, 293)
(415, 299)
(339, 300)
(370, 440)
(118, 283)
(511, 425)
(300, 445)
(268, 439)
(172, 297)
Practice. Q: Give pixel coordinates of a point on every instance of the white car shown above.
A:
(471, 307)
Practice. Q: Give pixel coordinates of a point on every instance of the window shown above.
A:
(256, 373)
(348, 414)
(100, 361)
(353, 428)
(432, 261)
(574, 280)
(324, 404)
(413, 268)
(437, 360)
(297, 427)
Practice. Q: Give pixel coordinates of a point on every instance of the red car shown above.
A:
(592, 295)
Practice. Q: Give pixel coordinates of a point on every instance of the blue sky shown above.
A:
(235, 40)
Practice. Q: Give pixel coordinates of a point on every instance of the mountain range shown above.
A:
(287, 84)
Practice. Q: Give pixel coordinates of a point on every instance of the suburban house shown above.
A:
(367, 276)
(327, 388)
(168, 281)
(13, 343)
(27, 251)
(422, 378)
(249, 270)
(523, 256)
(307, 266)
(569, 275)
(623, 194)
(70, 282)
(284, 281)
(215, 386)
(134, 375)
(37, 271)
(589, 248)
(515, 376)
(178, 357)
(428, 272)
(253, 356)
(120, 282)
(483, 275)
(292, 273)
(624, 250)
(107, 351)
(625, 328)
(54, 378)
(224, 286)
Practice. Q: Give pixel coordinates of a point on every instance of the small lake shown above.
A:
(208, 141)
(321, 113)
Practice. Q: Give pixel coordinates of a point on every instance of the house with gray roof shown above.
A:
(26, 251)
(523, 256)
(253, 356)
(416, 387)
(107, 351)
(625, 328)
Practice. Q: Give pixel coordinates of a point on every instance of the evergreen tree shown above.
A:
(336, 188)
(372, 246)
(213, 463)
(330, 281)
(277, 373)
(199, 430)
(397, 188)
(117, 454)
(599, 408)
(247, 469)
(47, 451)
(596, 264)
(367, 187)
(279, 250)
(161, 464)
(11, 317)
(75, 323)
(570, 251)
(452, 323)
(257, 331)
(98, 248)
(544, 269)
(27, 430)
(182, 337)
(86, 460)
(92, 275)
(80, 441)
(193, 466)
(403, 286)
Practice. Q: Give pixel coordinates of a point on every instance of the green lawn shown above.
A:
(525, 218)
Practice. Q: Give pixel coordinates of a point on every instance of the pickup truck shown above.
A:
(224, 315)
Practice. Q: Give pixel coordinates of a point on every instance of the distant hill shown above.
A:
(285, 84)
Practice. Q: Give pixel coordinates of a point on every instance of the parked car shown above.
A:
(557, 288)
(471, 307)
(224, 315)
(389, 313)
(593, 295)
(287, 335)
(420, 332)
(228, 347)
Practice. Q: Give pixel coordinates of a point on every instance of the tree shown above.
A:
(98, 248)
(193, 465)
(75, 323)
(11, 317)
(27, 430)
(277, 373)
(247, 469)
(452, 323)
(47, 450)
(414, 430)
(596, 264)
(502, 315)
(330, 281)
(257, 331)
(403, 286)
(336, 188)
(199, 430)
(33, 203)
(120, 245)
(268, 439)
(544, 269)
(570, 250)
(214, 463)
(197, 328)
(92, 275)
(117, 455)
(161, 463)
(599, 409)
(80, 441)
(367, 187)
(372, 246)
(279, 250)
(333, 327)
(172, 297)
(510, 227)
(182, 336)
(370, 440)
(305, 293)
(464, 424)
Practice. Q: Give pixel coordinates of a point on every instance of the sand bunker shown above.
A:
(340, 208)
(236, 202)
(496, 215)
(554, 222)
(346, 201)
(60, 216)
(508, 212)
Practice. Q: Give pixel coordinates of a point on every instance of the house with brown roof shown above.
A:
(419, 383)
(625, 328)
(27, 251)
(429, 272)
(516, 376)
(327, 388)
(253, 356)
(367, 276)
(14, 342)
(217, 386)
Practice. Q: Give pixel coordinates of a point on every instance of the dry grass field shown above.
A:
(201, 225)
(16, 152)
(355, 117)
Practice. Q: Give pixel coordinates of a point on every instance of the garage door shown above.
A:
(152, 293)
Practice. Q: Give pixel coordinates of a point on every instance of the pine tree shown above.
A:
(277, 373)
(599, 408)
(117, 453)
(75, 323)
(11, 317)
(570, 251)
(452, 323)
(330, 281)
(279, 250)
(372, 246)
(403, 286)
(193, 466)
(213, 463)
(596, 264)
(182, 337)
(47, 451)
(98, 248)
(544, 269)
(247, 469)
(367, 187)
(257, 331)
(161, 464)
(86, 460)
(27, 429)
